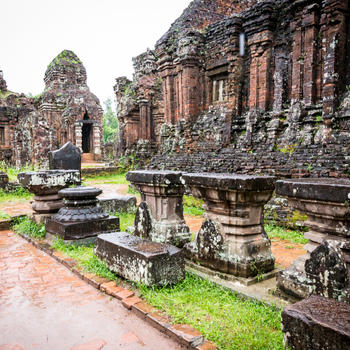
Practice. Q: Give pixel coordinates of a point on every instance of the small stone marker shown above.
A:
(81, 218)
(141, 260)
(46, 185)
(68, 157)
(317, 323)
(326, 204)
(160, 215)
(232, 239)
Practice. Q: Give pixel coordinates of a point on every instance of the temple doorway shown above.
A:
(86, 137)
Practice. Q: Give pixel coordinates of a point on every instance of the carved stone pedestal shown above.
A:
(232, 239)
(160, 214)
(81, 218)
(45, 185)
(325, 202)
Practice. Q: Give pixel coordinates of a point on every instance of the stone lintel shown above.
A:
(329, 190)
(155, 178)
(141, 260)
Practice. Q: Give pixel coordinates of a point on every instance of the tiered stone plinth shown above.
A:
(141, 260)
(232, 239)
(81, 218)
(46, 185)
(160, 214)
(326, 204)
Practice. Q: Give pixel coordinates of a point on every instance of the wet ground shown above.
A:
(45, 306)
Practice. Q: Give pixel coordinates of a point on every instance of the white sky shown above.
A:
(105, 35)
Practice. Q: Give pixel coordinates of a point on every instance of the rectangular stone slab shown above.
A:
(155, 177)
(317, 323)
(118, 204)
(231, 182)
(80, 230)
(141, 260)
(329, 190)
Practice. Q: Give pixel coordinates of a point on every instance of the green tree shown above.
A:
(110, 121)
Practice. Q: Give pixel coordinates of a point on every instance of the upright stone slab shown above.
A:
(118, 203)
(81, 218)
(46, 185)
(160, 215)
(68, 157)
(316, 323)
(232, 239)
(141, 260)
(326, 204)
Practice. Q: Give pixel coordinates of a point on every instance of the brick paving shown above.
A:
(45, 306)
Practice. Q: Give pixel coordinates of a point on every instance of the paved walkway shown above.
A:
(45, 306)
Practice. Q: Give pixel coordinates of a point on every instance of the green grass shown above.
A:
(86, 258)
(26, 226)
(193, 206)
(12, 171)
(19, 195)
(286, 234)
(107, 179)
(232, 323)
(4, 216)
(126, 219)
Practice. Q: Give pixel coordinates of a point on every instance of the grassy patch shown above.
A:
(219, 314)
(86, 258)
(126, 219)
(26, 226)
(193, 206)
(19, 195)
(108, 179)
(4, 216)
(286, 234)
(12, 171)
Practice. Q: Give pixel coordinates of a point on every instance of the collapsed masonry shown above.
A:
(281, 108)
(65, 111)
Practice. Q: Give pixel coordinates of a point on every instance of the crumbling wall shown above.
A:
(282, 108)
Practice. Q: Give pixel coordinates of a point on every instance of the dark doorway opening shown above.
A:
(86, 135)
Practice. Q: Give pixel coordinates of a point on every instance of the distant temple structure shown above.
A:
(65, 111)
(244, 86)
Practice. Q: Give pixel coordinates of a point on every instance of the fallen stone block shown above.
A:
(118, 204)
(141, 260)
(316, 323)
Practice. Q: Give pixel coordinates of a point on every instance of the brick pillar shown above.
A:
(96, 140)
(146, 120)
(304, 70)
(79, 135)
(260, 35)
(168, 92)
(334, 45)
(189, 91)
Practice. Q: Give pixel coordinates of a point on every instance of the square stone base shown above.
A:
(141, 260)
(82, 230)
(50, 239)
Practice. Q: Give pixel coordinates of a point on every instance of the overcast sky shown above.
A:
(105, 35)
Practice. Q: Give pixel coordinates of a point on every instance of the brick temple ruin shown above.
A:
(65, 111)
(280, 107)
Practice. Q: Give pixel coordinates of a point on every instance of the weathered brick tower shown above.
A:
(281, 107)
